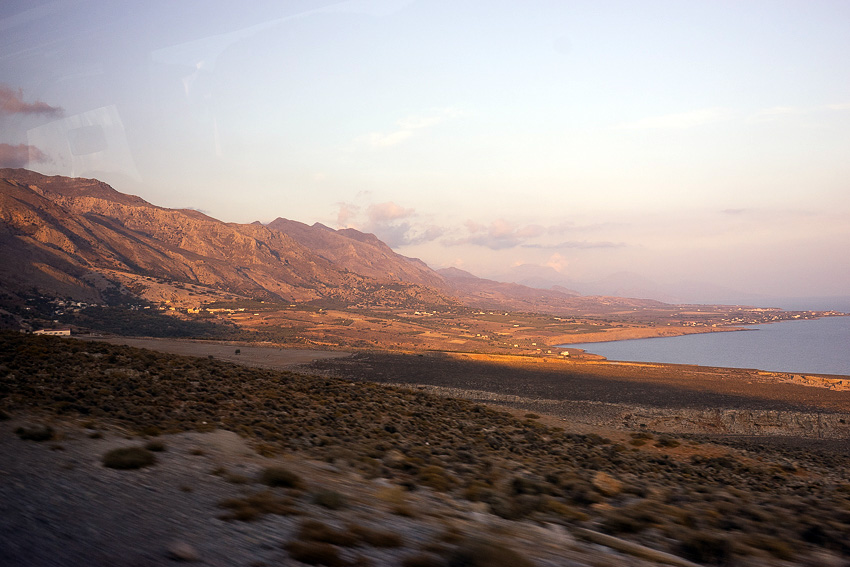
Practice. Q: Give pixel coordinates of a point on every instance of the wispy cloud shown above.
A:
(20, 155)
(776, 113)
(12, 102)
(680, 120)
(780, 112)
(387, 212)
(577, 244)
(498, 235)
(840, 106)
(407, 127)
(392, 223)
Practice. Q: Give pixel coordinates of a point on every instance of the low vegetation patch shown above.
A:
(127, 458)
(37, 433)
(254, 506)
(277, 476)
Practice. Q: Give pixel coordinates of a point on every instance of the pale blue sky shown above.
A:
(703, 141)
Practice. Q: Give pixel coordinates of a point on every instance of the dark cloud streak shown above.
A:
(12, 102)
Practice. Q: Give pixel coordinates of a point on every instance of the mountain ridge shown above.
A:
(85, 226)
(58, 231)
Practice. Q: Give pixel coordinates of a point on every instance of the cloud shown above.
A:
(394, 224)
(679, 121)
(776, 112)
(499, 235)
(841, 106)
(20, 155)
(347, 212)
(407, 127)
(12, 102)
(779, 112)
(577, 244)
(556, 262)
(385, 212)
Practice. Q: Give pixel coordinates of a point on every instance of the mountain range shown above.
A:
(81, 239)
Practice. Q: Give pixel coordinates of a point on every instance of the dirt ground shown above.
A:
(258, 356)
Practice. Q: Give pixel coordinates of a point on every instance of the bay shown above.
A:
(814, 346)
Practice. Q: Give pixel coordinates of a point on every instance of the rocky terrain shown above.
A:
(59, 233)
(323, 470)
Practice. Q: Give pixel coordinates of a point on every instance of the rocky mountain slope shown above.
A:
(58, 233)
(80, 238)
(359, 252)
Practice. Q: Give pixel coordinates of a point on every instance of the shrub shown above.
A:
(436, 477)
(482, 553)
(155, 446)
(330, 499)
(278, 476)
(253, 506)
(704, 547)
(36, 433)
(313, 530)
(423, 560)
(128, 458)
(667, 442)
(315, 553)
(151, 431)
(375, 537)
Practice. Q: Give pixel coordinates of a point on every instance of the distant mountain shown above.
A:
(630, 284)
(533, 275)
(491, 294)
(58, 233)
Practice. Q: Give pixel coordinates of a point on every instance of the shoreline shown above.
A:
(635, 333)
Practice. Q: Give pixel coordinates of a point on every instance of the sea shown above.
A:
(803, 346)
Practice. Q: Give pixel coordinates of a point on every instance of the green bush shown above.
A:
(128, 458)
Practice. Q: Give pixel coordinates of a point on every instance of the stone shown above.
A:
(182, 551)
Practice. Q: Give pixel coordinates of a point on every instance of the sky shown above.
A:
(695, 151)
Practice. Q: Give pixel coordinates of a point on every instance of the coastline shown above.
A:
(637, 333)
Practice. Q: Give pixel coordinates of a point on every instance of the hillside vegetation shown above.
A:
(709, 507)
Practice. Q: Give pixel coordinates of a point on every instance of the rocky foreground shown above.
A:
(242, 466)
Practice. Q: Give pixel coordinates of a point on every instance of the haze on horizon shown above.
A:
(638, 145)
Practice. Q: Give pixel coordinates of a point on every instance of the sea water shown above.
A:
(814, 346)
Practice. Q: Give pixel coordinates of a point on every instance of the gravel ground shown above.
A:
(59, 506)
